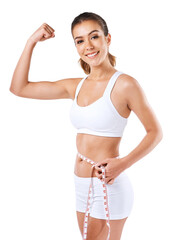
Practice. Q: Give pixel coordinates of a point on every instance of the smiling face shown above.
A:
(91, 43)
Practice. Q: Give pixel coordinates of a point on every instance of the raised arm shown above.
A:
(21, 86)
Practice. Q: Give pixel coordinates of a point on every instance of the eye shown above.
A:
(95, 37)
(79, 41)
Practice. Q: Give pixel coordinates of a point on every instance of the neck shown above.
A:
(101, 71)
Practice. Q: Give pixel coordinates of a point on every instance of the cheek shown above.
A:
(80, 49)
(102, 45)
(104, 50)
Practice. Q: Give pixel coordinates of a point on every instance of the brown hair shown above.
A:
(92, 16)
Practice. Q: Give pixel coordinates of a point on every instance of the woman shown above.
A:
(102, 103)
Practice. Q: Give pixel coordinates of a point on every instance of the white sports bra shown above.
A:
(99, 118)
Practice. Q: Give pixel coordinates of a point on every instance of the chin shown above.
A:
(94, 63)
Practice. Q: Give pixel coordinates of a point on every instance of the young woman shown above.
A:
(102, 103)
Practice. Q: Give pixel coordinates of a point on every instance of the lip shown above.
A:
(92, 53)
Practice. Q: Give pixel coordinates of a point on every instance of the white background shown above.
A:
(38, 150)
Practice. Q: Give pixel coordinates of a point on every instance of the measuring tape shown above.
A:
(90, 195)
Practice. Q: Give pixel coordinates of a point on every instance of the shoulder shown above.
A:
(131, 90)
(128, 81)
(129, 85)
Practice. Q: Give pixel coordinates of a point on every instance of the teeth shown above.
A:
(91, 55)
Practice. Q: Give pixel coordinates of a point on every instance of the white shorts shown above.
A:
(120, 197)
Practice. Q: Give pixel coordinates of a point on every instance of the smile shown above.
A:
(92, 55)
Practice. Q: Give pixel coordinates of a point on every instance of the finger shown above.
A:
(98, 175)
(98, 168)
(107, 180)
(111, 181)
(52, 35)
(103, 162)
(51, 30)
(47, 34)
(48, 30)
(49, 27)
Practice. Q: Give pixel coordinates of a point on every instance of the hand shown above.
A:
(43, 33)
(113, 168)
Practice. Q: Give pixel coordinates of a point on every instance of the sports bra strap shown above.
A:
(111, 83)
(108, 87)
(79, 85)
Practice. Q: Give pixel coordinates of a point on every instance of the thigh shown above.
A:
(96, 227)
(117, 228)
(80, 218)
(120, 199)
(98, 230)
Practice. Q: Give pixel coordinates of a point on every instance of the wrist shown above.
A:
(125, 163)
(31, 43)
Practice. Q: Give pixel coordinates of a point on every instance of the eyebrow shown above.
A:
(88, 34)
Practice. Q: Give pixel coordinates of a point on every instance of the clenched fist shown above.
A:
(43, 33)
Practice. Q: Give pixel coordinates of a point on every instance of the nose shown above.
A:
(89, 46)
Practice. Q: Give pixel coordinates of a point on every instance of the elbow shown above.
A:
(157, 135)
(13, 90)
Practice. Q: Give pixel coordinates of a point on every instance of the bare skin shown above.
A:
(126, 96)
(98, 230)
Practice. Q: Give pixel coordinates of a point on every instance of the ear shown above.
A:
(108, 39)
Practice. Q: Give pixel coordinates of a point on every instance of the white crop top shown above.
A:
(100, 117)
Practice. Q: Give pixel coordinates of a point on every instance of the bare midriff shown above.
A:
(96, 148)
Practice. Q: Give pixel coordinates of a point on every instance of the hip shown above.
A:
(120, 196)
